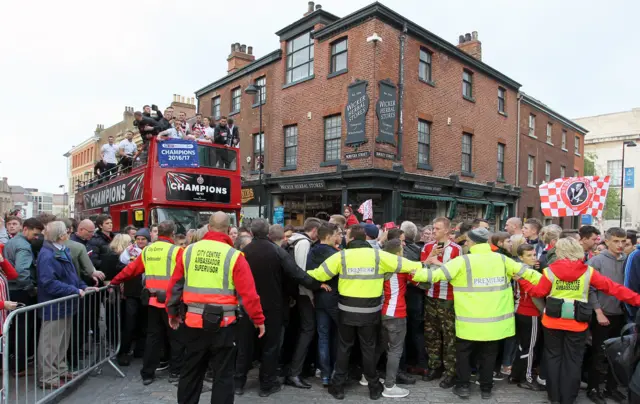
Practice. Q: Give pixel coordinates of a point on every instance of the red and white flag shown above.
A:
(366, 209)
(574, 196)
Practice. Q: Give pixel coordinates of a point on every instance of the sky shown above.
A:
(68, 65)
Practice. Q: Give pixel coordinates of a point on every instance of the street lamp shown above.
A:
(252, 90)
(628, 143)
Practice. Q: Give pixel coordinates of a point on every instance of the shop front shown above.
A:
(293, 203)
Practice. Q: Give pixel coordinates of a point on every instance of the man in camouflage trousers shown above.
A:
(439, 315)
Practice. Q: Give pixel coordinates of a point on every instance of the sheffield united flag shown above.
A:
(574, 196)
(366, 209)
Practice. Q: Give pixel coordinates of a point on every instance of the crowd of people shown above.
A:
(153, 124)
(532, 304)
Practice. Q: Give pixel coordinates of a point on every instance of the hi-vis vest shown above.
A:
(208, 280)
(159, 261)
(576, 290)
(487, 291)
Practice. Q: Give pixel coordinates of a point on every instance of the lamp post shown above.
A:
(628, 143)
(252, 90)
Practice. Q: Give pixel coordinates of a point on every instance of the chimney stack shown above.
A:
(470, 44)
(240, 56)
(318, 7)
(309, 9)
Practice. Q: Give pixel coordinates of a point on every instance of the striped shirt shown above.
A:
(441, 290)
(394, 291)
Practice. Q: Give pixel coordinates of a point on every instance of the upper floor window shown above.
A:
(424, 70)
(467, 84)
(261, 83)
(291, 146)
(424, 142)
(614, 170)
(467, 150)
(299, 58)
(236, 97)
(576, 146)
(332, 137)
(549, 133)
(564, 139)
(258, 151)
(501, 148)
(563, 171)
(547, 171)
(532, 125)
(339, 56)
(215, 108)
(502, 96)
(531, 164)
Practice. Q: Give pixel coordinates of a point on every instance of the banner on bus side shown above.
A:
(178, 153)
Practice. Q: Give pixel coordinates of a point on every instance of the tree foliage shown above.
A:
(612, 204)
(590, 164)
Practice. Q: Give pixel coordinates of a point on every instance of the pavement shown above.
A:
(109, 388)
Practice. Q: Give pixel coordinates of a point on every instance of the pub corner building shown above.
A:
(371, 106)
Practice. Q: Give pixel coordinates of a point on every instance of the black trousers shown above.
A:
(485, 353)
(270, 349)
(306, 336)
(23, 332)
(367, 334)
(528, 330)
(599, 368)
(134, 326)
(204, 348)
(158, 333)
(563, 354)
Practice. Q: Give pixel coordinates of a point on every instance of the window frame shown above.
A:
(576, 145)
(563, 171)
(502, 99)
(332, 140)
(424, 145)
(288, 148)
(563, 141)
(500, 168)
(532, 129)
(467, 84)
(259, 152)
(469, 170)
(333, 56)
(216, 102)
(256, 83)
(235, 97)
(531, 171)
(615, 175)
(428, 64)
(290, 52)
(547, 171)
(549, 133)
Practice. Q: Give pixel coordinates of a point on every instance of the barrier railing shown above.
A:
(47, 347)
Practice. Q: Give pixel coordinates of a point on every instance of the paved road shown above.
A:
(108, 388)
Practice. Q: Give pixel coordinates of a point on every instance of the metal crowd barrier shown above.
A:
(41, 357)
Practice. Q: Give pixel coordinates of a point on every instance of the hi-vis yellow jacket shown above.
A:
(482, 294)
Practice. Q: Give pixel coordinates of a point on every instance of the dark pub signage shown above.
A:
(357, 155)
(418, 186)
(125, 190)
(386, 109)
(468, 193)
(303, 186)
(383, 155)
(356, 113)
(198, 188)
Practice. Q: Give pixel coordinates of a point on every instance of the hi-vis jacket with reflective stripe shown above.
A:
(483, 298)
(159, 260)
(204, 278)
(361, 272)
(576, 290)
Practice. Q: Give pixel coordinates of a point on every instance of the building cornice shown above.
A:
(527, 99)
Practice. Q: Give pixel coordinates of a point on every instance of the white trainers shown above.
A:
(540, 381)
(395, 392)
(364, 382)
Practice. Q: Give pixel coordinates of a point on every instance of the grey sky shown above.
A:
(68, 65)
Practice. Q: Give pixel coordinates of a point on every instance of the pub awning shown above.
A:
(422, 197)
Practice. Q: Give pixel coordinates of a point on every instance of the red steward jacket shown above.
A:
(242, 279)
(10, 273)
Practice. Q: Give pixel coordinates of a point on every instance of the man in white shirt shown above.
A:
(128, 149)
(108, 154)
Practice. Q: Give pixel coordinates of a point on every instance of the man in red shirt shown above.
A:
(439, 317)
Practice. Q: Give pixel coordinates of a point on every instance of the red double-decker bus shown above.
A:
(150, 192)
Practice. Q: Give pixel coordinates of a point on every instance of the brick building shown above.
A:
(551, 146)
(371, 106)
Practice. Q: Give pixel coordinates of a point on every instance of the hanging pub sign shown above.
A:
(386, 109)
(356, 113)
(198, 188)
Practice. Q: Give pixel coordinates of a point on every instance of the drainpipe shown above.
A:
(403, 41)
(518, 151)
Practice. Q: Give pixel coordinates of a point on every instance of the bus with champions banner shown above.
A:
(180, 180)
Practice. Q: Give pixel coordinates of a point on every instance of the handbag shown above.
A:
(622, 355)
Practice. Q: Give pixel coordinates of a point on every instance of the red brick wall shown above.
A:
(322, 97)
(543, 152)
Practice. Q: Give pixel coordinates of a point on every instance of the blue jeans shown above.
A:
(327, 325)
(509, 351)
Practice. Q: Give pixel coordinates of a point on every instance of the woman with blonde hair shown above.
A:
(120, 243)
(516, 241)
(565, 284)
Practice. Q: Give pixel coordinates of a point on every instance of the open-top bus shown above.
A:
(152, 192)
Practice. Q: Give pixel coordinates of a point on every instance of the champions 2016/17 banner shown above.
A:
(178, 153)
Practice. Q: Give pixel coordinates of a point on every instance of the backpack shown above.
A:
(290, 248)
